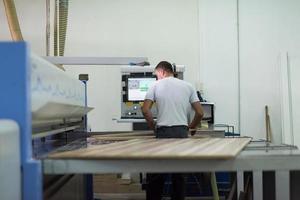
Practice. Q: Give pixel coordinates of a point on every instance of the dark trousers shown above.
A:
(155, 182)
(172, 132)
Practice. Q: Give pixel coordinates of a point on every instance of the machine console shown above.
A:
(136, 81)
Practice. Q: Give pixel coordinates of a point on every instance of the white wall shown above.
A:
(218, 58)
(259, 50)
(32, 22)
(104, 95)
(266, 30)
(159, 30)
(290, 41)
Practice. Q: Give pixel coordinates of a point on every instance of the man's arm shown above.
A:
(198, 115)
(146, 109)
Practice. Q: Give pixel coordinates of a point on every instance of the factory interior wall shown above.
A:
(268, 31)
(32, 22)
(243, 64)
(259, 69)
(201, 34)
(218, 58)
(159, 30)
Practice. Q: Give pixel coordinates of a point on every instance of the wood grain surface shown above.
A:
(189, 148)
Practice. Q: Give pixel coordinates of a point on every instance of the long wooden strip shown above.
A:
(125, 134)
(122, 138)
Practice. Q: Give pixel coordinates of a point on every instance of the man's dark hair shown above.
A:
(166, 66)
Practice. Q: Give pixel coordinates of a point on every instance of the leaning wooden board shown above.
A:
(204, 148)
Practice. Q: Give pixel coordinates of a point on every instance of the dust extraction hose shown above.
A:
(60, 30)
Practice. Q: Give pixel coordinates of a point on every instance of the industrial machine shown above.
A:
(41, 109)
(135, 82)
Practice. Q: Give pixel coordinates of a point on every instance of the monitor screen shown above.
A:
(138, 87)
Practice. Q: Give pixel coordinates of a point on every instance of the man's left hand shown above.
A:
(193, 131)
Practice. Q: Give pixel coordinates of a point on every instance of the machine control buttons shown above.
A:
(131, 113)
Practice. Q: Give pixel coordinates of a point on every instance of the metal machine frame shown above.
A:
(15, 105)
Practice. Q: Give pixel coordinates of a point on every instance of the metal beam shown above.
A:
(257, 185)
(246, 161)
(60, 60)
(282, 184)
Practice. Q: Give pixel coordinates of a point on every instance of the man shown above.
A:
(173, 98)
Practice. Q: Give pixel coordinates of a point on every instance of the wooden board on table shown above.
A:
(204, 148)
(125, 134)
(151, 135)
(121, 138)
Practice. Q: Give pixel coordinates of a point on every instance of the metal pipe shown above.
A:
(290, 98)
(13, 21)
(53, 132)
(47, 27)
(239, 64)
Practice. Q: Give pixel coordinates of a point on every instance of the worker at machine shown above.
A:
(173, 98)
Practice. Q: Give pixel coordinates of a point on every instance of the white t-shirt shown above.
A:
(173, 98)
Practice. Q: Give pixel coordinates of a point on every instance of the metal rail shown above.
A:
(53, 132)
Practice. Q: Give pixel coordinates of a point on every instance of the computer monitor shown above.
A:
(138, 87)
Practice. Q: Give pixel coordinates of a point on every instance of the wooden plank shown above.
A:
(204, 148)
(144, 135)
(126, 134)
(122, 138)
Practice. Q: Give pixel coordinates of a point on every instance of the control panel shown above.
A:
(136, 80)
